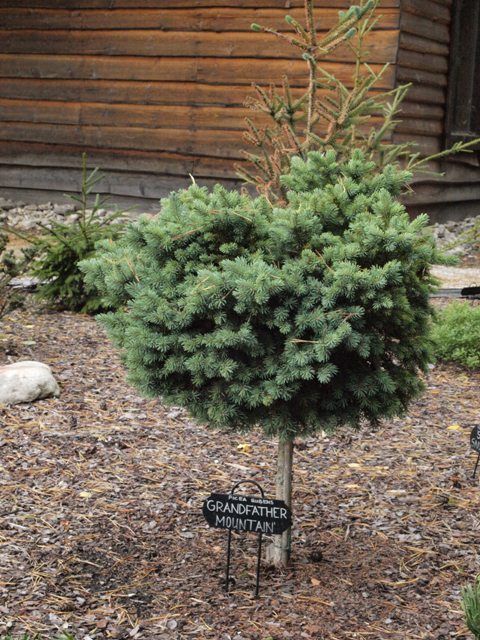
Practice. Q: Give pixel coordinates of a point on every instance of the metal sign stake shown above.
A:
(475, 444)
(229, 542)
(476, 465)
(244, 513)
(229, 545)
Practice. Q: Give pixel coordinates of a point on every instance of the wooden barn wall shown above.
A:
(154, 90)
(423, 61)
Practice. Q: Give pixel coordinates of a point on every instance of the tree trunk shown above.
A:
(278, 553)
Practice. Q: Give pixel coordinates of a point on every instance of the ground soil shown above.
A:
(101, 526)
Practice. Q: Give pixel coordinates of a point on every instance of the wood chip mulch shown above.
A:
(102, 534)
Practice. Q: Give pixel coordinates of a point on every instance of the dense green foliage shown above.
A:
(294, 318)
(471, 607)
(456, 334)
(60, 247)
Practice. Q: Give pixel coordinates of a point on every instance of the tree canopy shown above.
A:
(295, 318)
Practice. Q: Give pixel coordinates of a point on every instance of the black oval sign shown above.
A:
(247, 513)
(475, 439)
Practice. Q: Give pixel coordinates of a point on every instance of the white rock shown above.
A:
(27, 224)
(63, 209)
(26, 381)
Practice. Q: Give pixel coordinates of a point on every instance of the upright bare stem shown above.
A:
(312, 67)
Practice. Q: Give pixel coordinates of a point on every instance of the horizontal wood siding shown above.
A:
(423, 61)
(152, 90)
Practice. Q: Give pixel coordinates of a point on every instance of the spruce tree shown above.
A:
(293, 318)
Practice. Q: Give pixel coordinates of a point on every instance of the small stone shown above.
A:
(7, 204)
(27, 224)
(174, 413)
(440, 231)
(54, 619)
(63, 209)
(26, 381)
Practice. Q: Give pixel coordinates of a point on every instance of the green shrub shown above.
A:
(471, 607)
(456, 334)
(60, 247)
(294, 318)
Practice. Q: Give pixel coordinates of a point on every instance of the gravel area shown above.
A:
(460, 238)
(26, 217)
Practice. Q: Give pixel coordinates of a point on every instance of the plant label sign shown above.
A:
(247, 513)
(475, 439)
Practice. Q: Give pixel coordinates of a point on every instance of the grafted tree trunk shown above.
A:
(278, 553)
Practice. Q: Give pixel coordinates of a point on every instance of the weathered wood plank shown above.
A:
(168, 19)
(203, 142)
(139, 116)
(426, 145)
(410, 42)
(131, 160)
(428, 9)
(218, 143)
(420, 110)
(144, 116)
(423, 61)
(441, 192)
(139, 185)
(158, 4)
(151, 93)
(421, 45)
(199, 70)
(171, 94)
(455, 172)
(421, 77)
(425, 28)
(421, 127)
(173, 44)
(425, 94)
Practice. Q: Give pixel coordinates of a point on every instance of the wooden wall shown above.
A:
(423, 61)
(153, 90)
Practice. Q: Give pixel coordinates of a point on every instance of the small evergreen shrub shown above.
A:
(60, 247)
(471, 607)
(295, 318)
(456, 334)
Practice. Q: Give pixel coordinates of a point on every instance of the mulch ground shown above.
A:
(101, 526)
